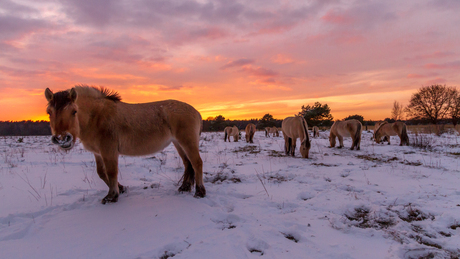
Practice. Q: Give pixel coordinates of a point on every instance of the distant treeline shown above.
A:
(24, 128)
(40, 128)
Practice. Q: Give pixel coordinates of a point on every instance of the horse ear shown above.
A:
(73, 95)
(49, 95)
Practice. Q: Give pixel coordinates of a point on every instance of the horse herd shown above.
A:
(296, 127)
(108, 127)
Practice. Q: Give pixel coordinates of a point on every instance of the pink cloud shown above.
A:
(448, 65)
(238, 63)
(337, 18)
(415, 76)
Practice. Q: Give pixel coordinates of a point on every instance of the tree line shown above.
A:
(430, 104)
(24, 128)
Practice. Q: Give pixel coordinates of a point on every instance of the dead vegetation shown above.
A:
(248, 149)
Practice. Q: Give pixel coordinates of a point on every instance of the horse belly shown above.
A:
(145, 147)
(344, 133)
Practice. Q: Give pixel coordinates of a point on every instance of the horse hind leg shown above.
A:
(189, 174)
(192, 153)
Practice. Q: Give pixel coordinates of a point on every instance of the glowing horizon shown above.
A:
(237, 59)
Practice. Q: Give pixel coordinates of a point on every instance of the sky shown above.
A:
(239, 59)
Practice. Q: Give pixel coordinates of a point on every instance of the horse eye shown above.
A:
(74, 112)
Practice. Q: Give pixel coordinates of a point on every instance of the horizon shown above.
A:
(237, 59)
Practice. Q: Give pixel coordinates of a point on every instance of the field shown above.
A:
(384, 201)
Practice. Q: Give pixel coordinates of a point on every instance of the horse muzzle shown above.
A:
(65, 142)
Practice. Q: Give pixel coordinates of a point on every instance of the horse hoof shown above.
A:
(121, 188)
(109, 198)
(200, 191)
(185, 187)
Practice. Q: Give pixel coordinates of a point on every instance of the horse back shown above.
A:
(292, 127)
(149, 127)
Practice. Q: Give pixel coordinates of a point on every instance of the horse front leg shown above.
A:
(100, 168)
(111, 166)
(340, 141)
(293, 145)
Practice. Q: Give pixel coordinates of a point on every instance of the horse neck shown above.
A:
(88, 107)
(304, 131)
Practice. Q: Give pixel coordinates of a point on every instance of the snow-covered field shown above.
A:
(380, 202)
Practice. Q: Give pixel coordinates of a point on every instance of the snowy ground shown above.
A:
(380, 202)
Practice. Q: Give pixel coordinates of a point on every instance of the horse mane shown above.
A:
(99, 92)
(380, 126)
(305, 130)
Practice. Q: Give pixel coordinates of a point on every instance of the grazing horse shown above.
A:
(109, 127)
(386, 130)
(231, 131)
(349, 128)
(250, 130)
(315, 132)
(272, 130)
(376, 126)
(293, 128)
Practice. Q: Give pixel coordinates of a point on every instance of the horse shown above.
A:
(250, 130)
(386, 130)
(231, 131)
(271, 130)
(108, 127)
(315, 131)
(293, 128)
(275, 131)
(376, 126)
(349, 128)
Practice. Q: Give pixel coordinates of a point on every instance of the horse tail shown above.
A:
(357, 136)
(266, 132)
(404, 136)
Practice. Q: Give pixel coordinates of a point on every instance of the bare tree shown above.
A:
(397, 113)
(430, 102)
(454, 111)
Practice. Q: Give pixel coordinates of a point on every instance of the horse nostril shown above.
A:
(55, 140)
(68, 138)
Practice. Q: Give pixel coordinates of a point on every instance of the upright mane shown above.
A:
(98, 92)
(307, 137)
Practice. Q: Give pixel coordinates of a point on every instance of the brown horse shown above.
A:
(108, 127)
(385, 130)
(250, 130)
(376, 126)
(272, 130)
(293, 128)
(315, 131)
(348, 128)
(231, 131)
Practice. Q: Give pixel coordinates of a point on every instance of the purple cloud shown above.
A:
(238, 63)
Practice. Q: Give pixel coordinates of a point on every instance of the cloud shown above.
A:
(238, 63)
(415, 76)
(448, 65)
(433, 55)
(259, 72)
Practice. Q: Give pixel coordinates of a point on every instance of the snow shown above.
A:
(384, 201)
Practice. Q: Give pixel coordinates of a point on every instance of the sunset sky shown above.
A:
(240, 59)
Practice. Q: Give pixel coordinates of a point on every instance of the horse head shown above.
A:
(62, 111)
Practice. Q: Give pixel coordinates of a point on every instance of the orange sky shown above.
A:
(239, 59)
